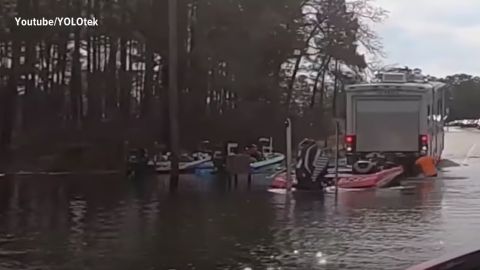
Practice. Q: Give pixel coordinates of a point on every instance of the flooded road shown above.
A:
(108, 223)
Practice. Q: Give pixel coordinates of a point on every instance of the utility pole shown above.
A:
(337, 146)
(173, 91)
(288, 125)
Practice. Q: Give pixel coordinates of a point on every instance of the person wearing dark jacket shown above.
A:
(312, 166)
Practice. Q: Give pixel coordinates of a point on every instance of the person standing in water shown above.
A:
(312, 166)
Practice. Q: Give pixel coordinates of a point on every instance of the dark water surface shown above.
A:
(106, 222)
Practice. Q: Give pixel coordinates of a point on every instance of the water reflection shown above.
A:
(113, 223)
(360, 227)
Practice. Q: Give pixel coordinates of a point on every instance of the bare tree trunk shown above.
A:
(92, 88)
(322, 88)
(321, 73)
(76, 80)
(111, 91)
(8, 102)
(295, 70)
(60, 93)
(173, 91)
(124, 87)
(89, 70)
(148, 80)
(335, 88)
(49, 63)
(28, 102)
(27, 99)
(292, 82)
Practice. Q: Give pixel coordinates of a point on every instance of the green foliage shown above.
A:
(463, 96)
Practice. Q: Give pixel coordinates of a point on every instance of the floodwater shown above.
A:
(106, 222)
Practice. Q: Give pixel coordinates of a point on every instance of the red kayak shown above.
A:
(280, 180)
(373, 180)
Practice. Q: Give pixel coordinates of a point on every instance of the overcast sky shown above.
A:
(442, 37)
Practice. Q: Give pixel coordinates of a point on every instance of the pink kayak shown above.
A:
(280, 181)
(374, 180)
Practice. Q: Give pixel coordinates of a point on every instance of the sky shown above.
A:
(441, 37)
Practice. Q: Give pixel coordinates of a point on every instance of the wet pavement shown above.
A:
(106, 222)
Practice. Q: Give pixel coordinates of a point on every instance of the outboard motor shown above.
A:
(312, 166)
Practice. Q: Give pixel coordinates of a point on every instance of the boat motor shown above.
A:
(364, 166)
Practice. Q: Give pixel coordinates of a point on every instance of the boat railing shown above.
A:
(232, 148)
(266, 146)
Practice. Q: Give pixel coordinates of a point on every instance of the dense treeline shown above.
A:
(463, 96)
(243, 66)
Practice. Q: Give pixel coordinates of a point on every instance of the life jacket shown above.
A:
(427, 166)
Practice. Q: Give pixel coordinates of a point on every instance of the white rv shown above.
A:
(401, 116)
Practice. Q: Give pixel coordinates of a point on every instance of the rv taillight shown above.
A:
(350, 143)
(349, 139)
(424, 144)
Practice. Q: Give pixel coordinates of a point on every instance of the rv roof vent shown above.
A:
(394, 77)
